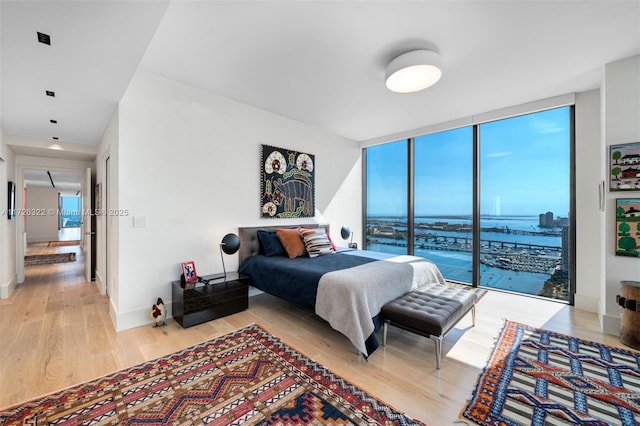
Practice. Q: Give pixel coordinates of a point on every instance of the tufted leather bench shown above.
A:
(429, 311)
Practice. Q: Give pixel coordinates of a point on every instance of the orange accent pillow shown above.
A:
(292, 242)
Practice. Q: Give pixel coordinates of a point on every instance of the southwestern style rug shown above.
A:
(538, 377)
(246, 377)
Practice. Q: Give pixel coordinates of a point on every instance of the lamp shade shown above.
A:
(230, 243)
(345, 232)
(413, 71)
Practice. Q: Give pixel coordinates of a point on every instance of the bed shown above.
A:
(347, 289)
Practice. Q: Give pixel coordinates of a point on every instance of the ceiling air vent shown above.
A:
(44, 38)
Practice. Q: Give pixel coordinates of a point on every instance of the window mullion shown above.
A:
(410, 195)
(475, 256)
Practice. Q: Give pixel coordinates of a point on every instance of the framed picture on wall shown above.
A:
(628, 227)
(11, 201)
(624, 167)
(287, 183)
(98, 197)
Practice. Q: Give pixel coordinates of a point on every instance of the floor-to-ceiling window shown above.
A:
(490, 203)
(70, 214)
(524, 203)
(443, 201)
(387, 208)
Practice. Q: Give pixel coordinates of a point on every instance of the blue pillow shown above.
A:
(270, 243)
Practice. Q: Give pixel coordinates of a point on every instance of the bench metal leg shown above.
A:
(473, 314)
(438, 341)
(385, 326)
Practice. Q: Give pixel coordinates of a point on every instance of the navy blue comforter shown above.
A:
(296, 280)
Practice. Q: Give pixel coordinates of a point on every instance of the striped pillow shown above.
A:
(316, 241)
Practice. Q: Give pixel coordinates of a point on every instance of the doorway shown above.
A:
(55, 231)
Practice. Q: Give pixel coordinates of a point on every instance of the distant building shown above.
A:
(546, 220)
(565, 249)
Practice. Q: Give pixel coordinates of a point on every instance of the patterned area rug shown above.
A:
(46, 259)
(539, 377)
(64, 243)
(246, 377)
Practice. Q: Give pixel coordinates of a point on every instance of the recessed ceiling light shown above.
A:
(50, 93)
(55, 138)
(44, 38)
(53, 121)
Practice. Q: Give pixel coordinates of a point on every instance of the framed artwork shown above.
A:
(11, 201)
(287, 183)
(624, 167)
(98, 195)
(628, 227)
(190, 275)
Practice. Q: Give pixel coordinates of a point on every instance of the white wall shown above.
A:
(8, 228)
(188, 164)
(42, 227)
(621, 111)
(107, 264)
(590, 230)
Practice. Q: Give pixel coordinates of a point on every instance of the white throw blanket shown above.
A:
(349, 298)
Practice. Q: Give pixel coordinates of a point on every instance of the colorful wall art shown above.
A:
(624, 167)
(628, 227)
(287, 183)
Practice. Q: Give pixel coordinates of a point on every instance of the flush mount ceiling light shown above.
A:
(413, 71)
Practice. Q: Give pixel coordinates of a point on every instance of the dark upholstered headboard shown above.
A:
(249, 245)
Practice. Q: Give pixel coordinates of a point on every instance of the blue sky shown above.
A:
(70, 204)
(524, 169)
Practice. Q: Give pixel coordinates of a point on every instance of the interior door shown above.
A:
(87, 230)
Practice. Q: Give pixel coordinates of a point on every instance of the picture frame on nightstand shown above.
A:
(189, 274)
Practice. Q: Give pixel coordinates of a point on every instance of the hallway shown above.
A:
(54, 313)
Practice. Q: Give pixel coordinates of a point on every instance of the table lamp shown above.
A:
(345, 233)
(230, 244)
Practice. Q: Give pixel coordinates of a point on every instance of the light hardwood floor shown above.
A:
(55, 331)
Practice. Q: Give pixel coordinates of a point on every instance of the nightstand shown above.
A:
(206, 302)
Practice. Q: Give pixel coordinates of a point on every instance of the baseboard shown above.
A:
(44, 239)
(141, 317)
(137, 318)
(8, 288)
(100, 283)
(132, 319)
(113, 313)
(610, 324)
(586, 303)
